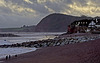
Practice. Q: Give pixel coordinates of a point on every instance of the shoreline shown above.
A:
(14, 48)
(15, 51)
(44, 51)
(85, 52)
(57, 41)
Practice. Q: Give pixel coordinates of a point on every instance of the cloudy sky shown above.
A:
(15, 13)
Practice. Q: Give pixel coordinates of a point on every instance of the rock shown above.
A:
(8, 35)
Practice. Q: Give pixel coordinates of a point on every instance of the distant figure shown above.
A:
(69, 29)
(15, 55)
(4, 40)
(6, 57)
(9, 56)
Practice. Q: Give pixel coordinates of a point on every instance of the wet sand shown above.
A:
(87, 52)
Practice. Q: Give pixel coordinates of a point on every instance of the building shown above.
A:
(85, 25)
(98, 23)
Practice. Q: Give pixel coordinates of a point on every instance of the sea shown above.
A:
(24, 37)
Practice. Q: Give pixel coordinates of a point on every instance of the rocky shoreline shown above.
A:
(58, 41)
(86, 52)
(80, 48)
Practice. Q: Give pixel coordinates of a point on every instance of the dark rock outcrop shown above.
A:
(8, 35)
(56, 22)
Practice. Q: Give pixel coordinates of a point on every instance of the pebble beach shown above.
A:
(73, 48)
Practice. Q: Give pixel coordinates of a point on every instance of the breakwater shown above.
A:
(54, 42)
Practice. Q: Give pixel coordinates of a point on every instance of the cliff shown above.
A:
(56, 22)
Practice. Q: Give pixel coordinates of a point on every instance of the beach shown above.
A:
(85, 52)
(24, 37)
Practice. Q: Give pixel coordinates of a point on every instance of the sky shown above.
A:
(16, 13)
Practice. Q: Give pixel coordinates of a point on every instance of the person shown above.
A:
(69, 29)
(5, 40)
(15, 55)
(6, 57)
(73, 29)
(9, 56)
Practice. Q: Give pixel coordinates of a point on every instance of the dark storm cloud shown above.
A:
(30, 12)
